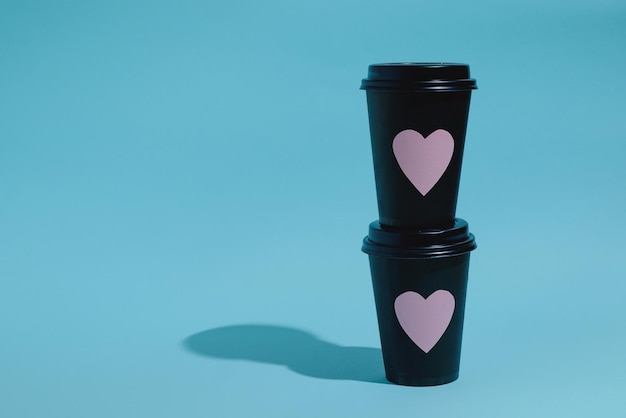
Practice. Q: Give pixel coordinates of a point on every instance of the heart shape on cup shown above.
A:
(423, 160)
(425, 320)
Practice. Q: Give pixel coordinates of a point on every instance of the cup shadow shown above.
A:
(298, 350)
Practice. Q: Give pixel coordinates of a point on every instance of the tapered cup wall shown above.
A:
(409, 198)
(422, 290)
(418, 121)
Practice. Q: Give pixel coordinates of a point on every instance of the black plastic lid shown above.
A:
(416, 76)
(426, 243)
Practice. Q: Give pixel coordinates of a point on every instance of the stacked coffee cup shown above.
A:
(418, 249)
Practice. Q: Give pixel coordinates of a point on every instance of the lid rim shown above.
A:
(419, 76)
(372, 248)
(426, 243)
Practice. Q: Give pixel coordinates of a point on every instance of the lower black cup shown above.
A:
(420, 282)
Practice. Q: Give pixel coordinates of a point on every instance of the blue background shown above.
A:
(185, 185)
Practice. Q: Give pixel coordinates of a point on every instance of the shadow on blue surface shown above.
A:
(300, 351)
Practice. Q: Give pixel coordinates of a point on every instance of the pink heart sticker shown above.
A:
(425, 320)
(423, 160)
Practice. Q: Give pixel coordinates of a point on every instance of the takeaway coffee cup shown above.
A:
(418, 118)
(420, 281)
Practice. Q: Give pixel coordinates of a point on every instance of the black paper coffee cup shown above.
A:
(420, 282)
(418, 117)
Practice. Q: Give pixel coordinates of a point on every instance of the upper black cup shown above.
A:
(418, 117)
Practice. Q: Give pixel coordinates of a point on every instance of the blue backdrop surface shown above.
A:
(184, 187)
